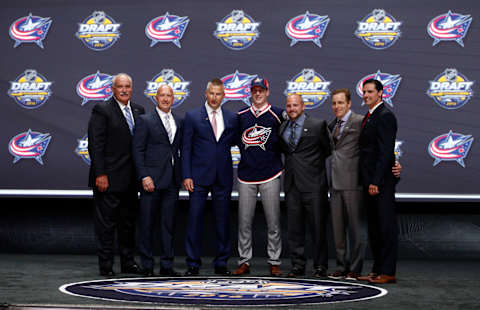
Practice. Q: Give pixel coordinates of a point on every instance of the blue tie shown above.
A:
(129, 118)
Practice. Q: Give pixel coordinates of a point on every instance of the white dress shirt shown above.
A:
(122, 108)
(171, 121)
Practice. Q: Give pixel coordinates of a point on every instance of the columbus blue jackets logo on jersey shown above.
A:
(309, 84)
(98, 31)
(449, 27)
(30, 89)
(307, 27)
(390, 83)
(378, 30)
(96, 86)
(237, 87)
(397, 150)
(30, 29)
(29, 144)
(237, 30)
(450, 147)
(172, 79)
(450, 89)
(82, 149)
(256, 136)
(167, 28)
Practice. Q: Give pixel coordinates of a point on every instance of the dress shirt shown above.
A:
(122, 108)
(219, 119)
(162, 115)
(374, 108)
(342, 125)
(298, 130)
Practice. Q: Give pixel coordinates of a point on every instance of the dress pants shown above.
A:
(115, 213)
(159, 203)
(348, 215)
(270, 195)
(307, 209)
(221, 198)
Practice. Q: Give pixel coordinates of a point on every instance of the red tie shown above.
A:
(365, 120)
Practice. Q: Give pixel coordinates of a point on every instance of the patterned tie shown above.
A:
(365, 119)
(336, 133)
(168, 128)
(214, 123)
(129, 118)
(291, 139)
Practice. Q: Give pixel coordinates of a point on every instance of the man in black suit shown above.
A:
(112, 175)
(156, 154)
(305, 142)
(377, 143)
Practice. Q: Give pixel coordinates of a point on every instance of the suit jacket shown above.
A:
(344, 169)
(153, 152)
(377, 144)
(203, 158)
(110, 145)
(305, 165)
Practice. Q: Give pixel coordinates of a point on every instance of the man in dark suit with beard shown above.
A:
(306, 145)
(112, 176)
(156, 154)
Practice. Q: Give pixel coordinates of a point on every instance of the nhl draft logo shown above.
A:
(311, 86)
(82, 149)
(96, 86)
(449, 27)
(378, 30)
(166, 28)
(397, 150)
(450, 147)
(237, 87)
(307, 27)
(30, 29)
(235, 151)
(390, 84)
(172, 79)
(237, 30)
(30, 144)
(98, 31)
(256, 136)
(30, 89)
(450, 89)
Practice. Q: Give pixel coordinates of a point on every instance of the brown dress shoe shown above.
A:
(383, 279)
(371, 275)
(275, 271)
(241, 270)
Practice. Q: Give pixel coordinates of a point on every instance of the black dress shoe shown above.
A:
(131, 269)
(192, 271)
(148, 272)
(168, 272)
(296, 272)
(222, 270)
(107, 273)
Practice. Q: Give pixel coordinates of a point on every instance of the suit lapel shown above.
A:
(119, 114)
(348, 124)
(159, 124)
(206, 121)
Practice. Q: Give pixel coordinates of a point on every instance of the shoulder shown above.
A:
(242, 111)
(137, 107)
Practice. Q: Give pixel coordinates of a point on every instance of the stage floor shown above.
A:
(32, 282)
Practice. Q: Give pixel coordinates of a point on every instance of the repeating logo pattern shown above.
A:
(30, 29)
(97, 86)
(167, 28)
(307, 27)
(451, 89)
(30, 89)
(237, 87)
(172, 79)
(378, 30)
(29, 144)
(449, 27)
(237, 30)
(98, 31)
(82, 149)
(312, 86)
(235, 151)
(450, 147)
(397, 150)
(390, 83)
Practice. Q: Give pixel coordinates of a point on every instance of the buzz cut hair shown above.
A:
(215, 82)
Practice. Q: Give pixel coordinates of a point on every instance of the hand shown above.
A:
(147, 184)
(373, 190)
(188, 184)
(101, 182)
(397, 169)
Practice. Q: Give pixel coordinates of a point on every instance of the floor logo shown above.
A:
(307, 27)
(30, 29)
(237, 30)
(224, 291)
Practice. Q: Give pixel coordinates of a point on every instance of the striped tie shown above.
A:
(168, 128)
(129, 118)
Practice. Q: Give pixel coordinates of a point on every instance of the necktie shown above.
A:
(365, 119)
(291, 139)
(129, 118)
(168, 128)
(336, 133)
(214, 123)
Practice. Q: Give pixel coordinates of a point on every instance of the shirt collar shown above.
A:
(346, 116)
(163, 114)
(300, 120)
(121, 105)
(374, 108)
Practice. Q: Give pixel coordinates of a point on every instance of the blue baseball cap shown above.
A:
(259, 81)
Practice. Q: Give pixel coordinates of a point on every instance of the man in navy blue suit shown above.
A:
(208, 134)
(156, 144)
